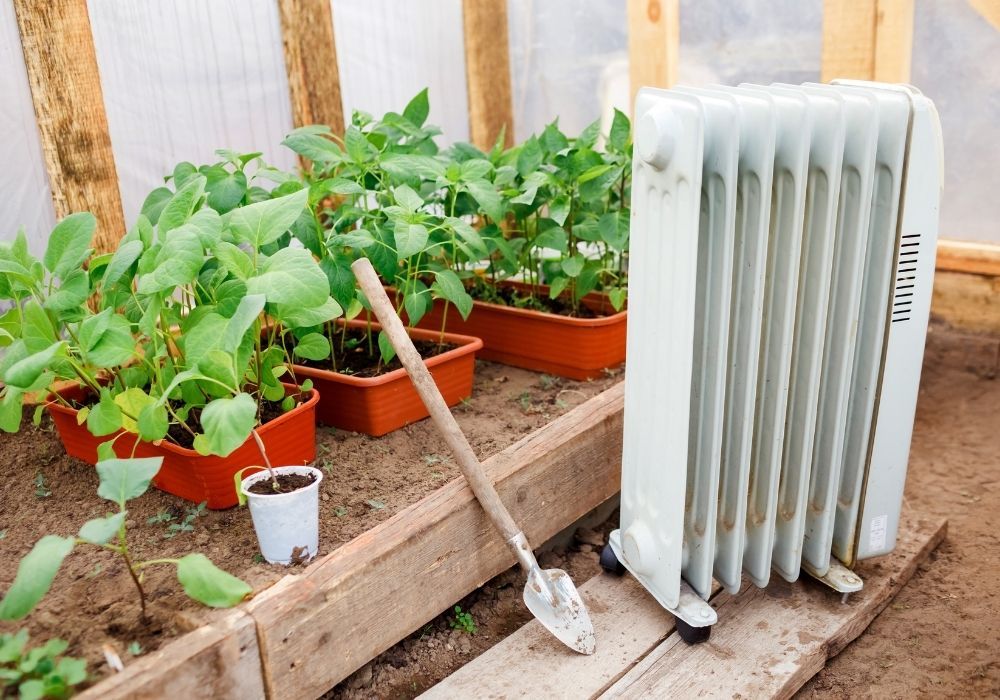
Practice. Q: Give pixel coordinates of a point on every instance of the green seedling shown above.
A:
(39, 672)
(121, 480)
(41, 488)
(375, 504)
(463, 621)
(134, 648)
(340, 511)
(187, 524)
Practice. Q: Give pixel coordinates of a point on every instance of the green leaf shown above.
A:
(291, 276)
(488, 198)
(113, 345)
(177, 262)
(178, 210)
(105, 417)
(475, 169)
(554, 238)
(620, 130)
(242, 320)
(10, 410)
(529, 158)
(572, 265)
(131, 402)
(123, 259)
(100, 530)
(617, 297)
(408, 199)
(293, 316)
(559, 209)
(153, 423)
(209, 585)
(313, 142)
(558, 286)
(72, 293)
(410, 239)
(227, 423)
(124, 479)
(207, 225)
(24, 372)
(154, 203)
(588, 137)
(411, 167)
(418, 108)
(225, 189)
(313, 346)
(233, 259)
(69, 243)
(385, 347)
(450, 287)
(34, 576)
(264, 222)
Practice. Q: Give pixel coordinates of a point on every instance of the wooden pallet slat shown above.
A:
(311, 63)
(487, 72)
(867, 40)
(653, 43)
(66, 92)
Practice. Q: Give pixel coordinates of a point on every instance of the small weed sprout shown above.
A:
(463, 621)
(41, 488)
(40, 672)
(135, 649)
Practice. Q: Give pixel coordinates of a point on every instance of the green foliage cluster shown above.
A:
(37, 672)
(463, 621)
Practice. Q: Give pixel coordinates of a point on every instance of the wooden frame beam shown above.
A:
(66, 92)
(867, 40)
(653, 43)
(487, 72)
(311, 63)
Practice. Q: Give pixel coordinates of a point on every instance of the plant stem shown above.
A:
(267, 462)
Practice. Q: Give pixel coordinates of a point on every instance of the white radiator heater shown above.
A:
(782, 258)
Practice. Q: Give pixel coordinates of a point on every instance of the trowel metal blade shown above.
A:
(553, 599)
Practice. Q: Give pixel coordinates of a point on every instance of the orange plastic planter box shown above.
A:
(578, 348)
(378, 405)
(289, 440)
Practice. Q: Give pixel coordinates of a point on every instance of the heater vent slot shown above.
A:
(906, 277)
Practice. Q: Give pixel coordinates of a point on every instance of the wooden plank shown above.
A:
(971, 302)
(219, 660)
(427, 557)
(969, 257)
(487, 72)
(653, 43)
(311, 63)
(628, 622)
(988, 10)
(769, 642)
(867, 40)
(66, 91)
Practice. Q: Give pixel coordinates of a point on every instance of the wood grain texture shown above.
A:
(628, 622)
(311, 62)
(425, 558)
(769, 642)
(967, 301)
(969, 257)
(653, 43)
(69, 106)
(219, 660)
(867, 40)
(487, 72)
(988, 10)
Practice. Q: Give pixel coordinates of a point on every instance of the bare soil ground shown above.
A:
(93, 602)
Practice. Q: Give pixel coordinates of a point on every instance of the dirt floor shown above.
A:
(93, 603)
(939, 638)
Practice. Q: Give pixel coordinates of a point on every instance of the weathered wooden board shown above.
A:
(968, 257)
(971, 302)
(653, 43)
(487, 72)
(69, 108)
(315, 629)
(219, 660)
(311, 63)
(628, 622)
(867, 40)
(769, 642)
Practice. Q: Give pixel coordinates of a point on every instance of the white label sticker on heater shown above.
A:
(876, 537)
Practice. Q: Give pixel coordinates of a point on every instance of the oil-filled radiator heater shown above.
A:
(781, 265)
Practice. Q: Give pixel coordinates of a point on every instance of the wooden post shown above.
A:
(867, 40)
(487, 72)
(69, 108)
(311, 63)
(653, 43)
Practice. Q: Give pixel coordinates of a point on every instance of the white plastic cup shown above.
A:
(285, 521)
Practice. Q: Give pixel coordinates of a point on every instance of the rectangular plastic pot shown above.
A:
(290, 440)
(378, 405)
(577, 348)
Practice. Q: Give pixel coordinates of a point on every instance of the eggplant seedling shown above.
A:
(121, 480)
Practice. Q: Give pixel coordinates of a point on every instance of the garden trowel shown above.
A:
(549, 593)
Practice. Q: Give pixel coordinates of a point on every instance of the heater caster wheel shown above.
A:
(610, 563)
(693, 635)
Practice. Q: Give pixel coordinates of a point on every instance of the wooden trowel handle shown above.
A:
(431, 396)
